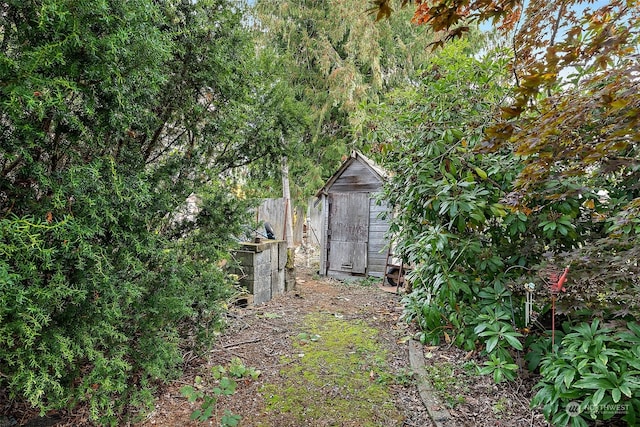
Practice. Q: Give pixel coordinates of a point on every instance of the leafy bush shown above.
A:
(489, 195)
(453, 225)
(476, 227)
(594, 374)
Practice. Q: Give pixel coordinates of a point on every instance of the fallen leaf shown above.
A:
(404, 339)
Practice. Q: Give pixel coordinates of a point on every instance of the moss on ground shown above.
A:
(449, 385)
(338, 374)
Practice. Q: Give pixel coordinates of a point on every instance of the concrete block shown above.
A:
(282, 255)
(277, 282)
(262, 268)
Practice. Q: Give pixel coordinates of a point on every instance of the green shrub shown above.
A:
(113, 114)
(593, 374)
(95, 306)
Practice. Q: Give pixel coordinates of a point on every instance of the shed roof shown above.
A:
(355, 156)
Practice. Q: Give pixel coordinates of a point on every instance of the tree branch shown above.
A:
(7, 170)
(167, 147)
(554, 33)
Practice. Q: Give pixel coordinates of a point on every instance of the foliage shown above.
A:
(572, 122)
(237, 369)
(452, 225)
(497, 330)
(500, 368)
(593, 374)
(113, 114)
(226, 386)
(331, 60)
(547, 181)
(592, 44)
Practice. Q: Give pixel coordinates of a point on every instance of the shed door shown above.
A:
(348, 232)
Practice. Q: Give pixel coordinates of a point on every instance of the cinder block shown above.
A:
(282, 255)
(263, 268)
(277, 282)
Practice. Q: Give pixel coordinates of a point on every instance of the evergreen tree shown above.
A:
(112, 114)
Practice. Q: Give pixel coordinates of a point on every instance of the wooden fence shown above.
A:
(306, 224)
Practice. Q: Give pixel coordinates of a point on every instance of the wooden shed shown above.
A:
(353, 234)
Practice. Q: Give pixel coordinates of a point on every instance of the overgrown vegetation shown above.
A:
(331, 59)
(503, 179)
(452, 226)
(443, 379)
(112, 115)
(509, 165)
(593, 375)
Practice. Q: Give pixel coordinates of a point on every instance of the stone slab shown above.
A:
(437, 411)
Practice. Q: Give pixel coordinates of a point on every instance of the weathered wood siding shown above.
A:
(323, 235)
(272, 211)
(299, 218)
(377, 251)
(314, 224)
(353, 208)
(356, 178)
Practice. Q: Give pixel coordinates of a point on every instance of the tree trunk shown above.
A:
(286, 194)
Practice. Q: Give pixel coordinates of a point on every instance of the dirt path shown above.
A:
(297, 341)
(279, 337)
(335, 354)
